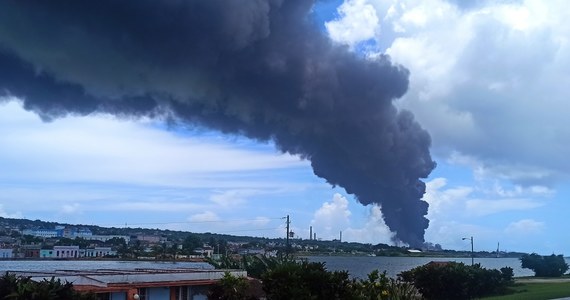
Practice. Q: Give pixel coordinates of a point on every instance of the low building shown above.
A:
(104, 238)
(150, 239)
(6, 253)
(43, 233)
(47, 253)
(74, 232)
(30, 251)
(99, 252)
(205, 251)
(66, 251)
(150, 284)
(257, 251)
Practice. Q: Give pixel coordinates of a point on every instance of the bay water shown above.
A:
(361, 266)
(357, 266)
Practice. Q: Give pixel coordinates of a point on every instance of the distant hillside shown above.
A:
(174, 235)
(316, 245)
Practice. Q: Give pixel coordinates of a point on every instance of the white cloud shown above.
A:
(488, 81)
(450, 235)
(101, 149)
(162, 206)
(462, 211)
(206, 216)
(488, 207)
(374, 230)
(441, 199)
(332, 217)
(358, 22)
(72, 208)
(335, 216)
(260, 221)
(480, 73)
(235, 197)
(525, 227)
(5, 214)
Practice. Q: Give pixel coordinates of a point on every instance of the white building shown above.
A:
(44, 233)
(206, 251)
(66, 251)
(104, 238)
(100, 252)
(6, 253)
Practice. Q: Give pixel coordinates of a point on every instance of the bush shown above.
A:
(453, 280)
(231, 288)
(23, 288)
(545, 266)
(304, 280)
(379, 287)
(285, 278)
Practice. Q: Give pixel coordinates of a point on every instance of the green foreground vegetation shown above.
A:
(536, 291)
(23, 288)
(285, 277)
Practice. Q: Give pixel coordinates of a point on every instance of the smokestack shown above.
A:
(340, 238)
(261, 69)
(310, 232)
(315, 236)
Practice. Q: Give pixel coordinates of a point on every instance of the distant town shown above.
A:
(35, 239)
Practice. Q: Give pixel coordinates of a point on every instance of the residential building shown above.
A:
(43, 233)
(205, 251)
(99, 252)
(151, 239)
(257, 251)
(148, 284)
(104, 238)
(30, 251)
(74, 232)
(66, 251)
(47, 253)
(6, 253)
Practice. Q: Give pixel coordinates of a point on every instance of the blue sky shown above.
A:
(489, 83)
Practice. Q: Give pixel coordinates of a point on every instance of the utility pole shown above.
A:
(287, 244)
(472, 253)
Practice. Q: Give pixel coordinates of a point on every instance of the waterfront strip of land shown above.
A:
(531, 288)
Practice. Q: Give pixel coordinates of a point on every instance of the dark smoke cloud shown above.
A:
(258, 68)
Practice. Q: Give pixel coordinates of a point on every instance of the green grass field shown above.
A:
(536, 291)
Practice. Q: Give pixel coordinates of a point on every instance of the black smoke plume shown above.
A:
(257, 68)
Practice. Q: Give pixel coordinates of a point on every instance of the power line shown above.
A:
(191, 222)
(243, 230)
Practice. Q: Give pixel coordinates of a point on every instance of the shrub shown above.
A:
(231, 288)
(285, 278)
(378, 286)
(453, 280)
(304, 280)
(545, 266)
(23, 288)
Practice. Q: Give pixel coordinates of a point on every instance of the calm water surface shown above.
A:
(361, 266)
(358, 266)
